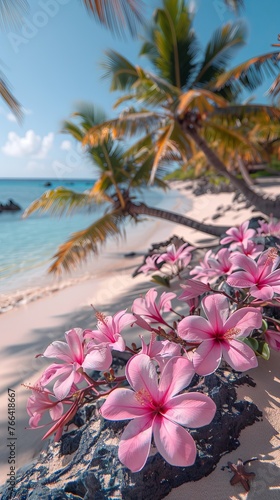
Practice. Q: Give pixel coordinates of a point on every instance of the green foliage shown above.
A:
(161, 280)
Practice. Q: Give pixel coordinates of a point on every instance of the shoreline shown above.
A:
(28, 329)
(109, 257)
(216, 205)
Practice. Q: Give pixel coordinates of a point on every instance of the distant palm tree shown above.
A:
(120, 176)
(189, 100)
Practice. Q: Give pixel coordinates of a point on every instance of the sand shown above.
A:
(27, 329)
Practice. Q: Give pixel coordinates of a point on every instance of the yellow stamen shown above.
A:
(230, 334)
(143, 397)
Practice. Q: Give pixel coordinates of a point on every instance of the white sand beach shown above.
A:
(26, 330)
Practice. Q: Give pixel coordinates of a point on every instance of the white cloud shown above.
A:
(32, 145)
(66, 145)
(11, 117)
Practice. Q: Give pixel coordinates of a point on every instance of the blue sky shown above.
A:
(53, 63)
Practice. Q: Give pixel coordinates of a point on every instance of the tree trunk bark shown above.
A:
(244, 172)
(142, 209)
(265, 205)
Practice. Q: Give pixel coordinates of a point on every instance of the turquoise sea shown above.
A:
(27, 245)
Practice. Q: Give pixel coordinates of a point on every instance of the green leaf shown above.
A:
(264, 326)
(251, 342)
(161, 280)
(264, 350)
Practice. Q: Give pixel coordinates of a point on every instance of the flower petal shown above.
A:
(216, 309)
(239, 355)
(58, 350)
(122, 404)
(176, 375)
(135, 443)
(262, 292)
(99, 358)
(56, 411)
(63, 385)
(192, 409)
(241, 279)
(245, 320)
(194, 329)
(207, 357)
(174, 443)
(246, 263)
(74, 339)
(141, 374)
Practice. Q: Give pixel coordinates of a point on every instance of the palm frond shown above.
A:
(9, 99)
(87, 241)
(274, 89)
(119, 70)
(117, 15)
(90, 115)
(236, 5)
(12, 11)
(222, 46)
(253, 112)
(128, 124)
(63, 201)
(199, 99)
(172, 45)
(70, 128)
(232, 141)
(162, 144)
(249, 74)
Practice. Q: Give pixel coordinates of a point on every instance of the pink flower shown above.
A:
(181, 255)
(148, 307)
(74, 354)
(221, 264)
(272, 337)
(150, 264)
(203, 271)
(160, 350)
(272, 227)
(193, 289)
(109, 329)
(261, 278)
(107, 338)
(250, 249)
(41, 401)
(239, 234)
(220, 334)
(156, 410)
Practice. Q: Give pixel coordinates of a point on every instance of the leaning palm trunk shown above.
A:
(245, 174)
(265, 205)
(142, 209)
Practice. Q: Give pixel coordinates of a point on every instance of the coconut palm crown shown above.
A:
(189, 101)
(121, 176)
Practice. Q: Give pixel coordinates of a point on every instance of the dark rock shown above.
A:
(11, 206)
(130, 254)
(203, 186)
(47, 184)
(93, 471)
(216, 216)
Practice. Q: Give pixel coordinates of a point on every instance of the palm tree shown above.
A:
(189, 100)
(121, 174)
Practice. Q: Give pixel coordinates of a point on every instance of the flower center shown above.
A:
(144, 397)
(231, 333)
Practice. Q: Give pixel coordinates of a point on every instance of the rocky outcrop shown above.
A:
(85, 464)
(11, 206)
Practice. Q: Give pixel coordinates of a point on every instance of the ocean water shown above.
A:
(27, 245)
